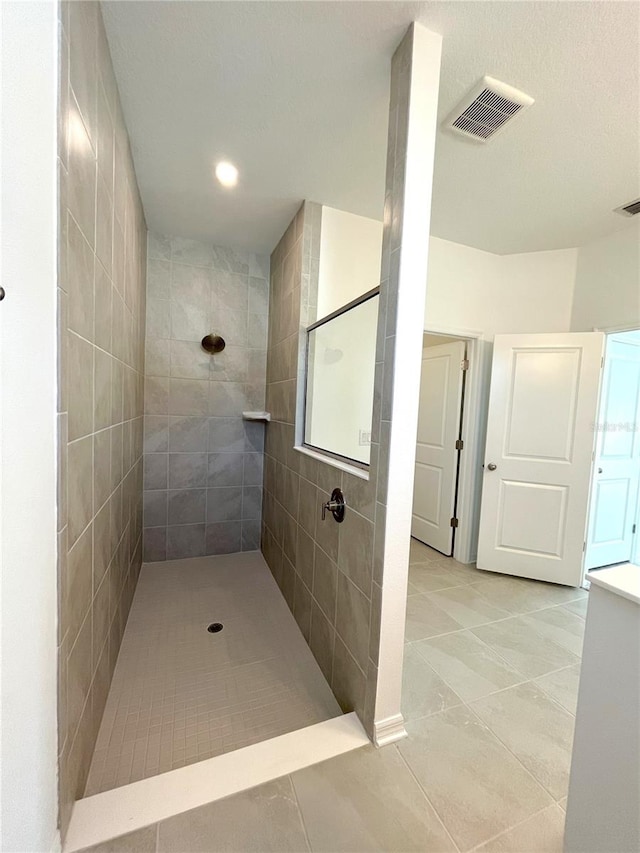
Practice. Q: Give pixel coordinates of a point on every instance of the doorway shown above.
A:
(614, 513)
(453, 390)
(439, 442)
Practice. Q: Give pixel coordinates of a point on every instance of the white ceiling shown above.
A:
(296, 95)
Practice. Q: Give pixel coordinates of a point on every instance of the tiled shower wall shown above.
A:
(332, 574)
(203, 465)
(101, 293)
(324, 569)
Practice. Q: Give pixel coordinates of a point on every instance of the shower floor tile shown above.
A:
(180, 694)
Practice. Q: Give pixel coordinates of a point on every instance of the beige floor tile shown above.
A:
(421, 553)
(423, 691)
(367, 800)
(428, 577)
(542, 833)
(524, 647)
(468, 570)
(467, 665)
(520, 595)
(579, 607)
(426, 619)
(560, 625)
(562, 686)
(467, 606)
(262, 819)
(475, 784)
(140, 841)
(535, 729)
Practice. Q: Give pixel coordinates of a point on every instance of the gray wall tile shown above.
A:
(332, 564)
(100, 371)
(225, 469)
(155, 544)
(193, 289)
(224, 504)
(155, 508)
(188, 435)
(156, 471)
(186, 506)
(252, 502)
(223, 537)
(185, 540)
(187, 470)
(250, 534)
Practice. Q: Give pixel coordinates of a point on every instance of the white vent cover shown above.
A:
(487, 110)
(630, 209)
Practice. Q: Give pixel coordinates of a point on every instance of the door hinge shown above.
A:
(633, 529)
(584, 547)
(602, 362)
(464, 364)
(454, 522)
(459, 444)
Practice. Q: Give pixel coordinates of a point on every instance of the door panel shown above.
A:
(436, 454)
(616, 475)
(540, 437)
(544, 394)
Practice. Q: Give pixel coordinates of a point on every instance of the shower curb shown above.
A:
(111, 814)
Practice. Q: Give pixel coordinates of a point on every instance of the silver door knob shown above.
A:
(491, 466)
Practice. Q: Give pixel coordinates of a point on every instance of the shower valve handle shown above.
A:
(336, 506)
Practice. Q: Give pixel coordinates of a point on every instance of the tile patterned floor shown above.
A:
(490, 684)
(180, 694)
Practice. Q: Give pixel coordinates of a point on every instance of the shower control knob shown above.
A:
(336, 506)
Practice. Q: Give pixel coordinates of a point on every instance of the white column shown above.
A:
(29, 92)
(415, 76)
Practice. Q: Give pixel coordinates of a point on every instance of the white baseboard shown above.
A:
(389, 730)
(113, 813)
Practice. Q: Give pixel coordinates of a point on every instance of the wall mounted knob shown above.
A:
(336, 506)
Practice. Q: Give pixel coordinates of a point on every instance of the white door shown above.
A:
(436, 454)
(614, 495)
(539, 454)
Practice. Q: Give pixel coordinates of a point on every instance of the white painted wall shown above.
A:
(498, 294)
(28, 701)
(607, 287)
(350, 252)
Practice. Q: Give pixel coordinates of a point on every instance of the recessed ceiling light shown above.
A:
(227, 174)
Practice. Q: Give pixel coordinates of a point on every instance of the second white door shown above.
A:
(538, 459)
(436, 454)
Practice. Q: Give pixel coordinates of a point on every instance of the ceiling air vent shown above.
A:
(489, 108)
(630, 209)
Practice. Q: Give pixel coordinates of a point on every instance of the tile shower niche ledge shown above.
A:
(265, 417)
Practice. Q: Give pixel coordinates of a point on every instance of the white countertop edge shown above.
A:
(623, 580)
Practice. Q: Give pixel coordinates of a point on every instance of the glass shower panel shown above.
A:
(341, 355)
